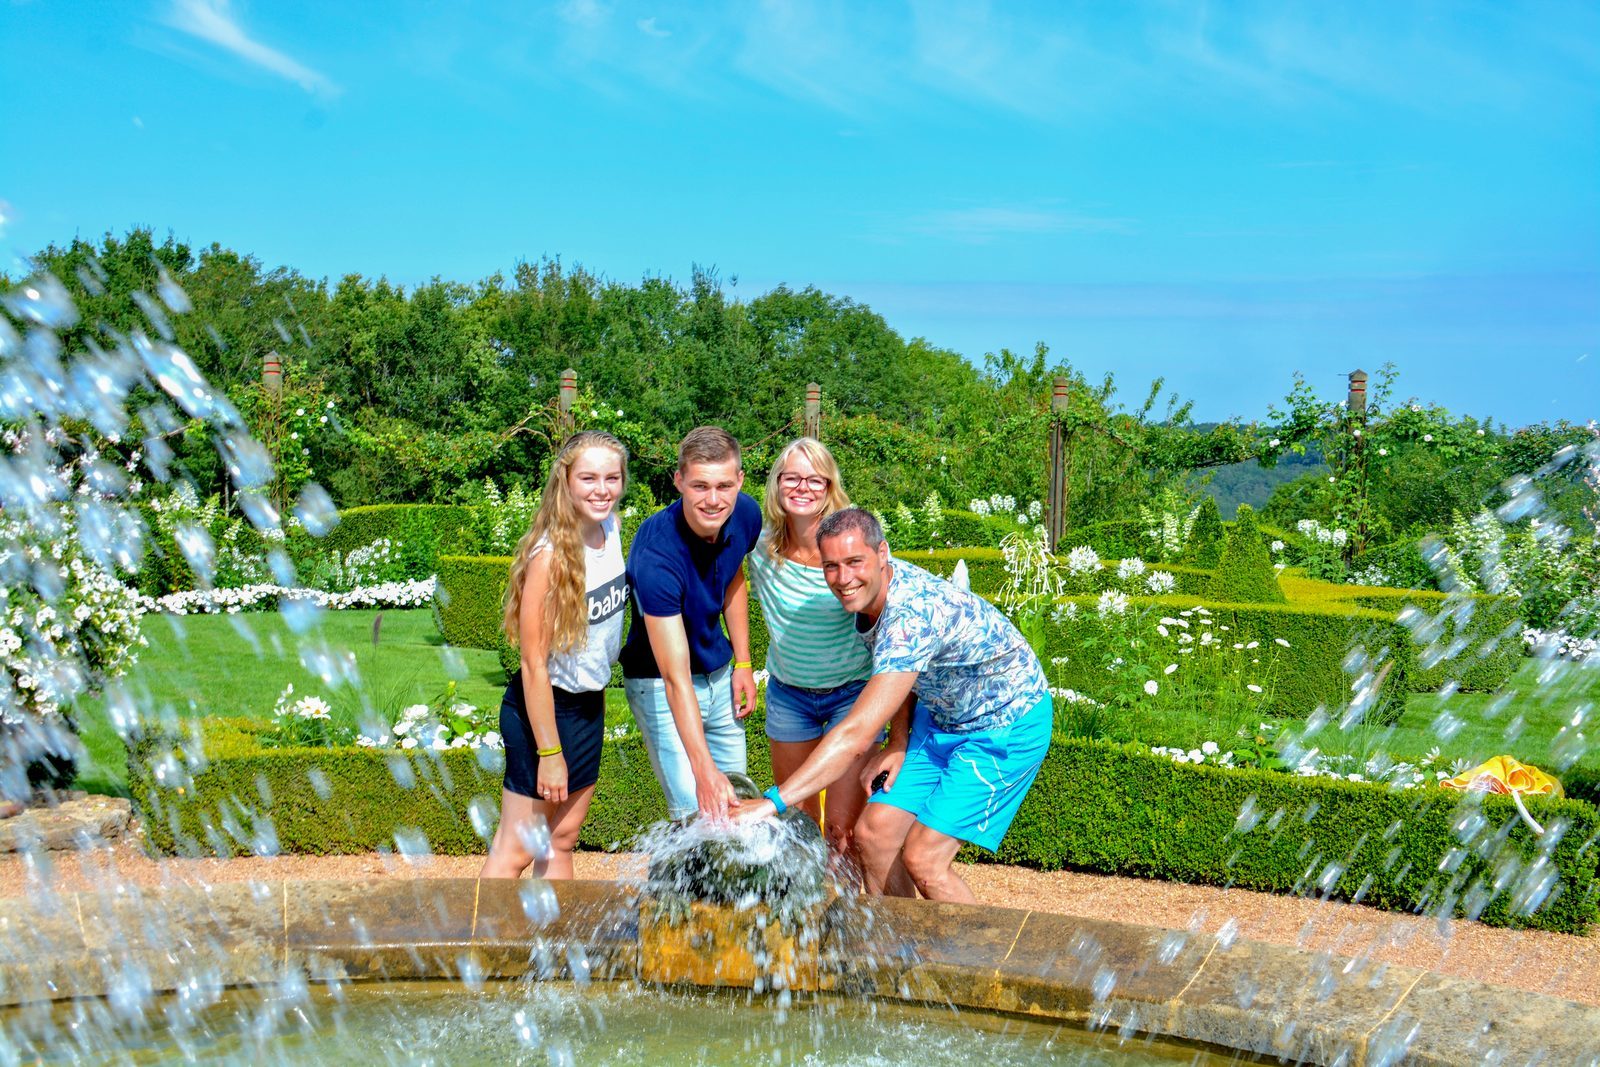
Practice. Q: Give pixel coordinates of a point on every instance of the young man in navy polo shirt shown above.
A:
(689, 685)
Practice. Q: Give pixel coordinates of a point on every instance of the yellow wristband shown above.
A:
(549, 751)
(743, 666)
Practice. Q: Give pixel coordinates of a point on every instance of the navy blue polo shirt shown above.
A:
(673, 571)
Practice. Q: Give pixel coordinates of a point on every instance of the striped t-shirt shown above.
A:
(813, 639)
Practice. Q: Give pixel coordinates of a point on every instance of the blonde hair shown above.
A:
(557, 523)
(777, 520)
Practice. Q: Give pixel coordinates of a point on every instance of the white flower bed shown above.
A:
(1562, 644)
(406, 594)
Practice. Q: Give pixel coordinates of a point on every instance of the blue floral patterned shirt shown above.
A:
(974, 669)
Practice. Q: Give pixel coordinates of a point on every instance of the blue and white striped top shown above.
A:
(813, 639)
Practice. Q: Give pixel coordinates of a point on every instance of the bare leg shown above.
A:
(930, 860)
(508, 853)
(845, 801)
(787, 756)
(879, 835)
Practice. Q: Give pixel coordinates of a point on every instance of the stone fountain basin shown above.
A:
(1268, 1000)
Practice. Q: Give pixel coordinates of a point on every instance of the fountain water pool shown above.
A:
(139, 965)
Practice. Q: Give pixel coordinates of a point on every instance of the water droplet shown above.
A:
(539, 902)
(172, 294)
(316, 511)
(43, 301)
(484, 815)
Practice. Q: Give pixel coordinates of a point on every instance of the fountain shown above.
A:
(317, 970)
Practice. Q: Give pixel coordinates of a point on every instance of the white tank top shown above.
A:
(587, 668)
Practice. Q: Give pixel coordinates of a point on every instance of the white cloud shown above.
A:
(980, 225)
(586, 13)
(649, 28)
(211, 20)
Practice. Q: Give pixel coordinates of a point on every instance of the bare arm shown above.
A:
(670, 645)
(883, 698)
(533, 642)
(736, 612)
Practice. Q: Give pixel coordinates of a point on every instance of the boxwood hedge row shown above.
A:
(1096, 806)
(1320, 629)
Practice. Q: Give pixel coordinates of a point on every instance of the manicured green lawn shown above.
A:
(238, 664)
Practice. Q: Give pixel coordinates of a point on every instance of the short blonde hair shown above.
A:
(707, 444)
(822, 461)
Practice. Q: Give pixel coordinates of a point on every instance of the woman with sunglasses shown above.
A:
(816, 665)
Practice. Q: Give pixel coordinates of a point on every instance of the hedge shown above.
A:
(1244, 572)
(1120, 809)
(986, 569)
(1311, 671)
(440, 524)
(1323, 624)
(1095, 806)
(217, 809)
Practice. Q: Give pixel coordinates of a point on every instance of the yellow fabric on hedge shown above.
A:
(1506, 775)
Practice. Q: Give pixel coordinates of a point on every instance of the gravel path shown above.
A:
(1561, 965)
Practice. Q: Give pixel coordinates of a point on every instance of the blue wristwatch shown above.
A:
(777, 800)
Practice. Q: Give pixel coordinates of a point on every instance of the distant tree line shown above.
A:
(437, 388)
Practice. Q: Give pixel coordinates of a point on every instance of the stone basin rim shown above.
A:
(1268, 1000)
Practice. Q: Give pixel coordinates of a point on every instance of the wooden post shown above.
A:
(565, 397)
(272, 373)
(1356, 416)
(1357, 400)
(1058, 463)
(813, 421)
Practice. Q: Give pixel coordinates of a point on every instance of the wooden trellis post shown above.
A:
(565, 396)
(272, 373)
(1058, 463)
(813, 420)
(1356, 414)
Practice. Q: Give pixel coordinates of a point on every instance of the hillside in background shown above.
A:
(1249, 482)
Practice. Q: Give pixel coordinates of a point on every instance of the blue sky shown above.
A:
(1220, 194)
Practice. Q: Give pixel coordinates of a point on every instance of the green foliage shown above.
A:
(470, 600)
(1094, 806)
(1244, 573)
(1120, 809)
(1207, 538)
(241, 788)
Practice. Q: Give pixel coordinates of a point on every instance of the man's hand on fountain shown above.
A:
(714, 793)
(755, 810)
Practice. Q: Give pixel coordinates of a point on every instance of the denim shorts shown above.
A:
(796, 714)
(647, 699)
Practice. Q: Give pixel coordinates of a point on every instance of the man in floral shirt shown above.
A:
(957, 767)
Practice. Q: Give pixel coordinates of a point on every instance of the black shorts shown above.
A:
(580, 724)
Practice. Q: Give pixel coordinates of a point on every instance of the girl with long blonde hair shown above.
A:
(564, 610)
(816, 665)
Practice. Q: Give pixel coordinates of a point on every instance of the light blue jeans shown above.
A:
(647, 699)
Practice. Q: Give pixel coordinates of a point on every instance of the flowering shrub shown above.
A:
(267, 596)
(1561, 644)
(1324, 550)
(1032, 585)
(500, 519)
(377, 563)
(1168, 523)
(304, 722)
(1552, 569)
(444, 724)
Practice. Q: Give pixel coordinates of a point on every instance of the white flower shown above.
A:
(1280, 641)
(1196, 756)
(1253, 687)
(1160, 582)
(410, 742)
(363, 741)
(1383, 451)
(1130, 568)
(299, 411)
(1209, 748)
(439, 744)
(402, 728)
(1082, 560)
(1272, 443)
(1427, 437)
(1111, 602)
(1151, 688)
(1277, 546)
(311, 708)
